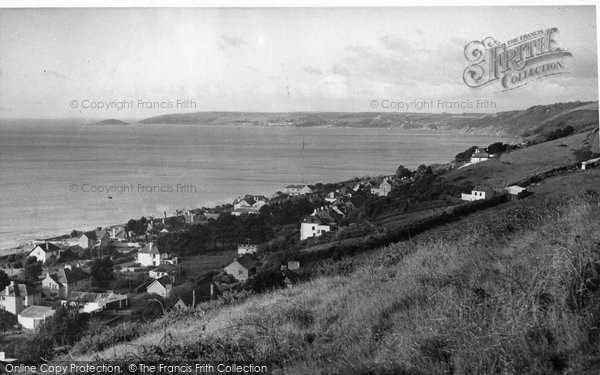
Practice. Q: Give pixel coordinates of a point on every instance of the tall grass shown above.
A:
(507, 292)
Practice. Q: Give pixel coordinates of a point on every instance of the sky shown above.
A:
(68, 62)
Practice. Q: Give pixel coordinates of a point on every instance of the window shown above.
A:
(240, 272)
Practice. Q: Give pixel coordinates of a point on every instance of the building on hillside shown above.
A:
(479, 155)
(192, 298)
(94, 238)
(64, 281)
(152, 255)
(313, 226)
(382, 189)
(96, 302)
(243, 267)
(588, 164)
(33, 316)
(170, 270)
(247, 249)
(516, 192)
(16, 297)
(478, 193)
(162, 287)
(44, 251)
(297, 190)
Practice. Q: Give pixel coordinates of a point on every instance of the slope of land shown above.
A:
(510, 290)
(533, 122)
(111, 121)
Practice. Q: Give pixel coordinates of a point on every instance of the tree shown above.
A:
(102, 270)
(74, 233)
(497, 148)
(4, 281)
(402, 172)
(465, 155)
(32, 270)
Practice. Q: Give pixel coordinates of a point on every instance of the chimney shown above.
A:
(47, 246)
(114, 232)
(212, 289)
(193, 298)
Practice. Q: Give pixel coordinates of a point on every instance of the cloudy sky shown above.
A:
(272, 59)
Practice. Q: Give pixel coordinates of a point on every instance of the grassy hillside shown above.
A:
(520, 165)
(509, 290)
(533, 122)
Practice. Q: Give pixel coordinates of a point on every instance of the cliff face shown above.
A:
(528, 123)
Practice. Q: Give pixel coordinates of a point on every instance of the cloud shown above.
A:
(226, 41)
(311, 70)
(54, 74)
(340, 69)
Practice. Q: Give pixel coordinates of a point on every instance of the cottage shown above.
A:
(94, 238)
(516, 192)
(479, 155)
(478, 193)
(17, 297)
(297, 190)
(247, 249)
(192, 298)
(166, 270)
(289, 277)
(33, 316)
(95, 302)
(64, 281)
(590, 163)
(243, 267)
(162, 287)
(313, 226)
(383, 189)
(152, 255)
(43, 252)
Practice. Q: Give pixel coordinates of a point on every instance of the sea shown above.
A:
(56, 176)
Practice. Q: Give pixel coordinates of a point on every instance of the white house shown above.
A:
(17, 297)
(383, 189)
(94, 238)
(44, 251)
(33, 316)
(64, 281)
(589, 163)
(297, 190)
(478, 193)
(165, 270)
(94, 302)
(247, 249)
(313, 226)
(151, 255)
(515, 191)
(479, 155)
(162, 287)
(243, 267)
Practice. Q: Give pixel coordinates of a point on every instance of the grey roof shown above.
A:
(37, 311)
(248, 261)
(151, 248)
(46, 247)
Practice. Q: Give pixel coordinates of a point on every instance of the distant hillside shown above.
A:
(111, 121)
(529, 123)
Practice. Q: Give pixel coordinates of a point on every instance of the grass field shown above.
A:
(508, 290)
(200, 265)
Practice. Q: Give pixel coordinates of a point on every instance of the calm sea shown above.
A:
(56, 177)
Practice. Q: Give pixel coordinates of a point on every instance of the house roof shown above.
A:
(47, 247)
(88, 297)
(15, 290)
(94, 234)
(248, 261)
(37, 311)
(167, 268)
(151, 248)
(68, 276)
(164, 281)
(315, 220)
